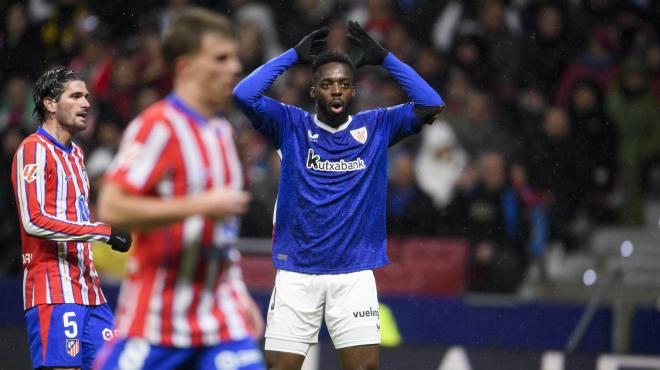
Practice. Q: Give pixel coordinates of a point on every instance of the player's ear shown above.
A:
(312, 92)
(49, 104)
(353, 91)
(181, 65)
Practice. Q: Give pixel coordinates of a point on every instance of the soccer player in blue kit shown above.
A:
(330, 215)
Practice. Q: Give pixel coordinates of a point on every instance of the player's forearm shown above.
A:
(250, 90)
(419, 91)
(45, 226)
(137, 212)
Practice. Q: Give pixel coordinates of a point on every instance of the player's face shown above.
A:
(72, 107)
(216, 68)
(333, 90)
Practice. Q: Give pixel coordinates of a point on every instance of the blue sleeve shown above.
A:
(267, 115)
(401, 120)
(419, 91)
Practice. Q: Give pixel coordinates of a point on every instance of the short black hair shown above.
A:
(51, 84)
(330, 56)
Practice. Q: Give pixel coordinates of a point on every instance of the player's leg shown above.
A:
(359, 357)
(98, 330)
(238, 355)
(54, 332)
(294, 318)
(353, 319)
(138, 354)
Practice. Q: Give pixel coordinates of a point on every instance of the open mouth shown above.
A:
(336, 106)
(83, 115)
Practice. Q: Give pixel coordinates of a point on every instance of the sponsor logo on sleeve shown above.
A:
(30, 172)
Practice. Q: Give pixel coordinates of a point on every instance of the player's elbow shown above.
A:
(427, 114)
(30, 225)
(241, 95)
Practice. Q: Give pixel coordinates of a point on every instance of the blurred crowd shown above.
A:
(551, 125)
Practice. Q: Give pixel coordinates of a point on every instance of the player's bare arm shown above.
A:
(118, 207)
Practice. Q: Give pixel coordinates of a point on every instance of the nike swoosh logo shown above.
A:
(67, 178)
(123, 240)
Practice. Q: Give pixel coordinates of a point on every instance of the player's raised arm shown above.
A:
(248, 94)
(427, 101)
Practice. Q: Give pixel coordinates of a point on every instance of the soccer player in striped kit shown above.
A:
(177, 182)
(67, 317)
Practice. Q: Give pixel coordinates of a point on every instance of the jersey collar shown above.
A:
(331, 129)
(50, 137)
(179, 104)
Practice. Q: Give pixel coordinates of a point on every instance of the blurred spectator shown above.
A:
(634, 34)
(478, 132)
(398, 42)
(596, 62)
(16, 105)
(546, 50)
(94, 63)
(470, 54)
(21, 50)
(10, 253)
(652, 60)
(490, 216)
(261, 17)
(503, 48)
(107, 135)
(596, 138)
(553, 165)
(122, 93)
(60, 31)
(440, 163)
(635, 110)
(433, 67)
(410, 210)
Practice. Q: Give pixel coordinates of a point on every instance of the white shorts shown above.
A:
(300, 301)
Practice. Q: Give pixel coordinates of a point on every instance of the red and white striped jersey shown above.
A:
(178, 291)
(52, 193)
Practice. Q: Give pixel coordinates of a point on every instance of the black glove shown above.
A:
(120, 240)
(311, 45)
(370, 53)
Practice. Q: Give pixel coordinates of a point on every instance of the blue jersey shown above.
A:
(330, 214)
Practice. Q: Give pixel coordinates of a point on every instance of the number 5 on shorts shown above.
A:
(70, 327)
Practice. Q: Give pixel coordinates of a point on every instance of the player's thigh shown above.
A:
(239, 355)
(277, 360)
(295, 312)
(359, 357)
(98, 330)
(54, 334)
(138, 354)
(352, 313)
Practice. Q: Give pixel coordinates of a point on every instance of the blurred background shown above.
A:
(534, 198)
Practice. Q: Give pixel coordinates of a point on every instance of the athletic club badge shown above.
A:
(360, 134)
(72, 347)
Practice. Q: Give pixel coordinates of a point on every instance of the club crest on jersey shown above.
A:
(360, 134)
(314, 162)
(30, 172)
(72, 347)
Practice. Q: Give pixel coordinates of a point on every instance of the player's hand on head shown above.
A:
(310, 45)
(223, 202)
(370, 51)
(120, 240)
